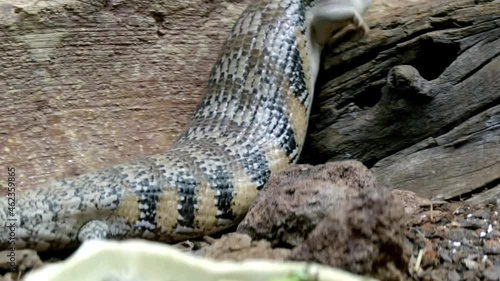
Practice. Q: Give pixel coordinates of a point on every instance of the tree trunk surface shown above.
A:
(86, 85)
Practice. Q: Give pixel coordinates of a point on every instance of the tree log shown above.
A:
(85, 85)
(418, 100)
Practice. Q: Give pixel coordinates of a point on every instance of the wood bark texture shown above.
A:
(85, 85)
(418, 101)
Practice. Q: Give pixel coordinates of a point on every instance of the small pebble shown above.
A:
(443, 254)
(453, 275)
(492, 273)
(481, 214)
(473, 224)
(470, 264)
(470, 275)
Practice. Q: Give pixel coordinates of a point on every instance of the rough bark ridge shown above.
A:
(84, 85)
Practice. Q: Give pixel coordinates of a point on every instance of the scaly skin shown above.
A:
(251, 122)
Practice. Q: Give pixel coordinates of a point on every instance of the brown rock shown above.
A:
(294, 201)
(237, 247)
(492, 247)
(431, 256)
(411, 201)
(364, 236)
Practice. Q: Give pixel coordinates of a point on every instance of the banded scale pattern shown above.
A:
(251, 122)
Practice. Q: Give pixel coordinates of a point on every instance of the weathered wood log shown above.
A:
(84, 85)
(418, 100)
